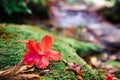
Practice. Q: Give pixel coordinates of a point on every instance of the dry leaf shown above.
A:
(11, 70)
(76, 68)
(79, 77)
(30, 76)
(21, 69)
(14, 70)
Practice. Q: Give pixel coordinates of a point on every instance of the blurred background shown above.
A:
(97, 21)
(94, 21)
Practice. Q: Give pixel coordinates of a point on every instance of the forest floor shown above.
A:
(86, 25)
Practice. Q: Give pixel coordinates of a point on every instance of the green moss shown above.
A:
(115, 64)
(59, 72)
(81, 48)
(12, 51)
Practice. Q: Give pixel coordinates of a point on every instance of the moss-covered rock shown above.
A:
(12, 51)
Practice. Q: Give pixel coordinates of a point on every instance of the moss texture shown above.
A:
(12, 51)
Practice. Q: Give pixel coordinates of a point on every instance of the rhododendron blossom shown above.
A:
(40, 54)
(109, 77)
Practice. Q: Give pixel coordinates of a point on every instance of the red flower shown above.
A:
(109, 77)
(40, 54)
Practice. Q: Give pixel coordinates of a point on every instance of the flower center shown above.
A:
(40, 53)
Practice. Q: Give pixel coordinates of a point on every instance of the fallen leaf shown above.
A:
(79, 77)
(76, 68)
(11, 70)
(21, 69)
(30, 76)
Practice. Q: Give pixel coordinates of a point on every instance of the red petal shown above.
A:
(52, 55)
(32, 46)
(46, 43)
(109, 77)
(29, 58)
(42, 62)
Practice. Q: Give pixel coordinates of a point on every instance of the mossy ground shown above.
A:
(12, 51)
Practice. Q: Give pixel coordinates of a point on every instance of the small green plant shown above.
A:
(10, 6)
(16, 10)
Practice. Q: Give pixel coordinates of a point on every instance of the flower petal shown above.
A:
(52, 55)
(109, 77)
(42, 62)
(46, 43)
(32, 46)
(29, 58)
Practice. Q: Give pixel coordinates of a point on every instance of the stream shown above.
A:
(104, 30)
